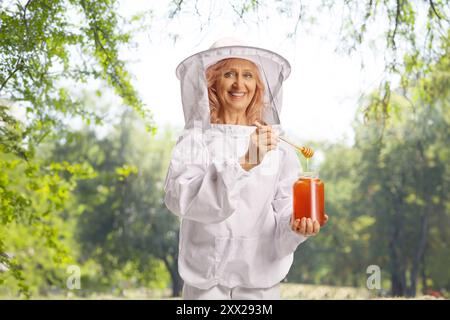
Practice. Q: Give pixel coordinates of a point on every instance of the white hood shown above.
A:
(274, 69)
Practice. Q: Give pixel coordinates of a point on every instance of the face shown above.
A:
(236, 85)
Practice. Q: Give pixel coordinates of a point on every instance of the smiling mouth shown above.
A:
(236, 94)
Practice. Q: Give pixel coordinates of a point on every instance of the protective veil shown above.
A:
(235, 227)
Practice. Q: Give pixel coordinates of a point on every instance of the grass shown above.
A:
(289, 291)
(296, 291)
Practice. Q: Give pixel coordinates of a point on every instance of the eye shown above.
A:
(248, 75)
(229, 74)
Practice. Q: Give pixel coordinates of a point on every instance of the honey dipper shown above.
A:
(307, 152)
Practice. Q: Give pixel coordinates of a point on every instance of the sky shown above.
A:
(319, 98)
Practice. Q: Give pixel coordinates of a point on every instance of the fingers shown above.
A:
(263, 140)
(267, 132)
(302, 229)
(306, 227)
(258, 124)
(316, 227)
(267, 137)
(326, 218)
(309, 227)
(295, 224)
(261, 129)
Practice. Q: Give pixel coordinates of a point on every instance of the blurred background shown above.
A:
(90, 110)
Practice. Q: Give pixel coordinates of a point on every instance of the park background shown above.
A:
(90, 110)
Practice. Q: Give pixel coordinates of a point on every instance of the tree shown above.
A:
(409, 176)
(46, 47)
(339, 255)
(404, 182)
(409, 34)
(124, 219)
(387, 195)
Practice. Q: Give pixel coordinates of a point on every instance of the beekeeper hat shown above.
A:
(273, 67)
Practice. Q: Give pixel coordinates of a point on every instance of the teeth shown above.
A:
(237, 94)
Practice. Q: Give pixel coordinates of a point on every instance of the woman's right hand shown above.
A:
(262, 141)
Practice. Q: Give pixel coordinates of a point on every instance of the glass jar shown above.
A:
(309, 197)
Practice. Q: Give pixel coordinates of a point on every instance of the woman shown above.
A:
(229, 180)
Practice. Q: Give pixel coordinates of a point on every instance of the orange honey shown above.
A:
(309, 198)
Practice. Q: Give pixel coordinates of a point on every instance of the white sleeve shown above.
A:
(200, 187)
(286, 240)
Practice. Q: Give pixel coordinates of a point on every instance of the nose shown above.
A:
(238, 81)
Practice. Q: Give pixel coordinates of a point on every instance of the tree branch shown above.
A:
(434, 9)
(362, 30)
(299, 18)
(19, 61)
(397, 18)
(27, 4)
(178, 4)
(16, 68)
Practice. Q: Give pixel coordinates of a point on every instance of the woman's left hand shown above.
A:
(306, 226)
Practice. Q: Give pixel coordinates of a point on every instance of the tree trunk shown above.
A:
(398, 274)
(423, 275)
(398, 282)
(422, 243)
(419, 255)
(177, 285)
(177, 282)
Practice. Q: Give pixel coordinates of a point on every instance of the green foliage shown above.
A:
(74, 198)
(123, 222)
(46, 46)
(388, 198)
(31, 196)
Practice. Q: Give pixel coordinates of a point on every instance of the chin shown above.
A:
(240, 107)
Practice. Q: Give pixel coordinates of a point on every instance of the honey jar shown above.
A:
(309, 197)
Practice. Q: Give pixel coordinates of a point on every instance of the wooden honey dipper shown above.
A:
(306, 152)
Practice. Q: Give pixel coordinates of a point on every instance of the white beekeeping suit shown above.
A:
(235, 228)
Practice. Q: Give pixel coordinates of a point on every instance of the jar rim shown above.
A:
(309, 174)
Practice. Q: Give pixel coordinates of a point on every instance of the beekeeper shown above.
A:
(230, 180)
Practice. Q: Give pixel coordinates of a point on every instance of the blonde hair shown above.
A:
(254, 109)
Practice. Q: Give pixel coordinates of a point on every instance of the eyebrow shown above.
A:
(234, 69)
